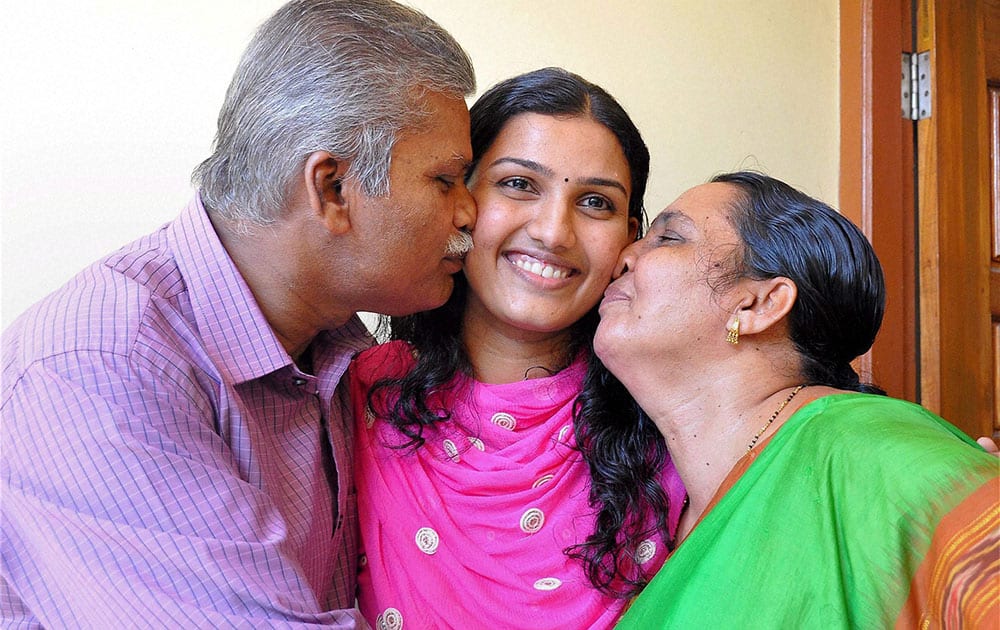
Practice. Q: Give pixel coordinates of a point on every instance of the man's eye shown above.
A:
(446, 182)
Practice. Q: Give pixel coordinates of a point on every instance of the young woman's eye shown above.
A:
(517, 183)
(597, 202)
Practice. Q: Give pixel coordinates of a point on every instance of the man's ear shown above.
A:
(324, 181)
(765, 303)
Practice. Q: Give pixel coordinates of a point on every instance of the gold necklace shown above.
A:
(774, 415)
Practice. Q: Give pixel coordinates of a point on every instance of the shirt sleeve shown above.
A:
(123, 506)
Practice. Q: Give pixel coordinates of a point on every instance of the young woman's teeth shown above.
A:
(545, 271)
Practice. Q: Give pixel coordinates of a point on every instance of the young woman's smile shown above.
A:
(553, 196)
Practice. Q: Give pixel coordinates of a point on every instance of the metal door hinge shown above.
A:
(916, 85)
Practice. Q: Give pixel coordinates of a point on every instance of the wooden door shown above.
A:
(933, 232)
(991, 44)
(957, 352)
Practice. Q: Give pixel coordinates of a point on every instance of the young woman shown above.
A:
(477, 509)
(813, 502)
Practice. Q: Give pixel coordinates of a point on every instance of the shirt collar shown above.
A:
(236, 334)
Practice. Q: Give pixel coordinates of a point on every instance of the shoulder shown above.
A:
(103, 302)
(119, 306)
(867, 415)
(879, 432)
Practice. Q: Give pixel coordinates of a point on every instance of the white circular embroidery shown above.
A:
(363, 560)
(390, 619)
(645, 551)
(548, 584)
(532, 521)
(504, 420)
(562, 433)
(477, 443)
(451, 450)
(544, 479)
(427, 540)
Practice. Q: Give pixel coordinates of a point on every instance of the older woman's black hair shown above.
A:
(841, 288)
(609, 428)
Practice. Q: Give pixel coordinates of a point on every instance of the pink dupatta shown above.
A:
(469, 530)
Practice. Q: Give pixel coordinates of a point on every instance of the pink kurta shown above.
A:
(470, 530)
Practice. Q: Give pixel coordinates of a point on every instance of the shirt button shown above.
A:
(298, 381)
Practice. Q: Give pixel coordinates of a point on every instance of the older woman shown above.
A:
(811, 501)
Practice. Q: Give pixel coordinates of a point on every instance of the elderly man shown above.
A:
(175, 447)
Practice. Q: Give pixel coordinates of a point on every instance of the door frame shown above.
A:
(876, 178)
(921, 194)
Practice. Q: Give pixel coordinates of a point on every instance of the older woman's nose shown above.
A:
(626, 260)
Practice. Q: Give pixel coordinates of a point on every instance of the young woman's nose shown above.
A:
(552, 225)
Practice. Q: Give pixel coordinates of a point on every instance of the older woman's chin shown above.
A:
(607, 345)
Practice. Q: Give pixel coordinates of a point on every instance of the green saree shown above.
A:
(860, 512)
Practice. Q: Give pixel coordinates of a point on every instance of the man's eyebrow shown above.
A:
(462, 161)
(528, 164)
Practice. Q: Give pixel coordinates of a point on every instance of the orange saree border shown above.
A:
(958, 583)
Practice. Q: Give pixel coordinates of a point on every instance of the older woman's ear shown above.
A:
(766, 303)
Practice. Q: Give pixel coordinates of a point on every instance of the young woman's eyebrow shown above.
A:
(601, 181)
(528, 164)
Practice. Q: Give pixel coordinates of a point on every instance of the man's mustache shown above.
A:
(458, 245)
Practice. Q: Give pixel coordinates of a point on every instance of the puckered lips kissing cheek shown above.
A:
(536, 268)
(614, 295)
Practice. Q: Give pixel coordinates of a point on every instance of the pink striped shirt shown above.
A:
(164, 462)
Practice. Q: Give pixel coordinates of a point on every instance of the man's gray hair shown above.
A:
(344, 76)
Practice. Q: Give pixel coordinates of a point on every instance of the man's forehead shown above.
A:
(432, 158)
(458, 160)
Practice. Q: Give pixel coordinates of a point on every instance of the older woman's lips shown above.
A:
(614, 294)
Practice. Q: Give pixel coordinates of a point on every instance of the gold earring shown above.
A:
(733, 332)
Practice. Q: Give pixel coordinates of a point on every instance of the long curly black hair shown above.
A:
(623, 450)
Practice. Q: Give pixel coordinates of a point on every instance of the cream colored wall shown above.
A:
(107, 105)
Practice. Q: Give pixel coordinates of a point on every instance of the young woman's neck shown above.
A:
(504, 354)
